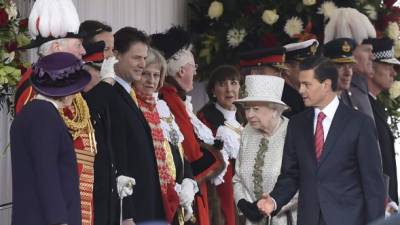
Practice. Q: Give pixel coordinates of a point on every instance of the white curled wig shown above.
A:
(176, 46)
(179, 59)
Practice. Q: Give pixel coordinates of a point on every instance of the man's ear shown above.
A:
(55, 47)
(180, 72)
(116, 54)
(328, 84)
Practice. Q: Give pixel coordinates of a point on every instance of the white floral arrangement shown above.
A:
(235, 37)
(216, 9)
(293, 26)
(270, 16)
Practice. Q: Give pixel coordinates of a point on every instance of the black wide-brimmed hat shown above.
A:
(383, 50)
(59, 74)
(39, 40)
(340, 50)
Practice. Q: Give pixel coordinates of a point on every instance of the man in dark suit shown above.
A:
(393, 220)
(125, 130)
(381, 80)
(331, 156)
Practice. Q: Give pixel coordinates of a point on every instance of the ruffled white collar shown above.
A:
(228, 114)
(202, 131)
(170, 129)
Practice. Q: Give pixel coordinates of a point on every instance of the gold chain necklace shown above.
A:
(80, 121)
(81, 116)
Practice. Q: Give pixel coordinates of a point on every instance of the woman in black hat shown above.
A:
(45, 179)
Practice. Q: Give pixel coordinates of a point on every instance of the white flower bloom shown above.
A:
(326, 9)
(371, 12)
(270, 16)
(12, 11)
(8, 57)
(235, 37)
(393, 31)
(309, 2)
(394, 91)
(397, 49)
(293, 26)
(215, 10)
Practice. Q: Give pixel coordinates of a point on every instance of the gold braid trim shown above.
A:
(169, 159)
(81, 120)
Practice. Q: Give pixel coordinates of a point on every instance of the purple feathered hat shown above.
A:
(59, 74)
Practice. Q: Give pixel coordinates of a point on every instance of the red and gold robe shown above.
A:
(192, 151)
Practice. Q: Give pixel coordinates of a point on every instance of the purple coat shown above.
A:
(45, 178)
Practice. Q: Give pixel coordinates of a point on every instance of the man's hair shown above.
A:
(91, 28)
(323, 69)
(45, 48)
(128, 36)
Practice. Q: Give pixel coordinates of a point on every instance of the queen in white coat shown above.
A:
(260, 156)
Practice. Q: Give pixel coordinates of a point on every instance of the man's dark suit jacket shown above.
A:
(45, 174)
(386, 143)
(346, 185)
(104, 189)
(133, 150)
(393, 220)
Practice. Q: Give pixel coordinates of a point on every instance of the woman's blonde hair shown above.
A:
(155, 57)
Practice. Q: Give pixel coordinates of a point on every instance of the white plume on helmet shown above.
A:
(349, 23)
(53, 18)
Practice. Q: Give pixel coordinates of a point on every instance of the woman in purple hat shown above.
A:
(45, 179)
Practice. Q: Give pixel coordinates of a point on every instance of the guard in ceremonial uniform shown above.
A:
(271, 61)
(44, 163)
(295, 54)
(340, 52)
(49, 38)
(382, 80)
(350, 23)
(61, 35)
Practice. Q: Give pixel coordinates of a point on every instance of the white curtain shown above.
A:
(148, 15)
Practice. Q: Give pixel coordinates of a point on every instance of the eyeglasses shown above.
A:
(195, 66)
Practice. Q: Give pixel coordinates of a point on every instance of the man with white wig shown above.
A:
(350, 23)
(198, 144)
(53, 27)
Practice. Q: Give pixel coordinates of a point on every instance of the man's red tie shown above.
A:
(319, 136)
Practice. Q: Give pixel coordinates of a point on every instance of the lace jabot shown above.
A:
(170, 128)
(202, 131)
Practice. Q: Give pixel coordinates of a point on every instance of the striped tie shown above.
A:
(319, 135)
